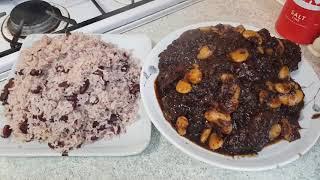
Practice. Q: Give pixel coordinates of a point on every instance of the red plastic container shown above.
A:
(299, 21)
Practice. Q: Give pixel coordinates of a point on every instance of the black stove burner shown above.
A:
(7, 35)
(35, 18)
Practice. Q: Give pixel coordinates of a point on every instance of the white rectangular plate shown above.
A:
(134, 141)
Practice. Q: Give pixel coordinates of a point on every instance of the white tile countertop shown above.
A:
(161, 160)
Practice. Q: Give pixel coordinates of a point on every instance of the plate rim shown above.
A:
(173, 140)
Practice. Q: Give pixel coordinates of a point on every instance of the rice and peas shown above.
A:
(71, 90)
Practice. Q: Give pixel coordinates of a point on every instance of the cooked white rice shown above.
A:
(72, 90)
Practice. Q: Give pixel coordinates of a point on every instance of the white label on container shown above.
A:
(313, 5)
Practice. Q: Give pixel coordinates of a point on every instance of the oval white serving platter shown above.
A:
(272, 156)
(134, 141)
